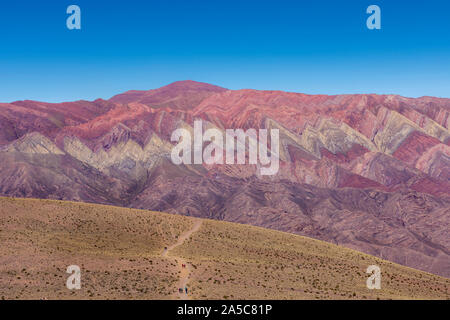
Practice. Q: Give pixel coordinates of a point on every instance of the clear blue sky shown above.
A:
(303, 46)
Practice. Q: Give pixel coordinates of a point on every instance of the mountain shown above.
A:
(181, 95)
(121, 255)
(369, 172)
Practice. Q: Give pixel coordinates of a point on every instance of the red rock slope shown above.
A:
(369, 172)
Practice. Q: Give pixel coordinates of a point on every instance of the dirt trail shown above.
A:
(185, 272)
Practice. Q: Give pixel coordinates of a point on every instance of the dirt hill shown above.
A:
(135, 254)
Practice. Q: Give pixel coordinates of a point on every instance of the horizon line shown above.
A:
(226, 89)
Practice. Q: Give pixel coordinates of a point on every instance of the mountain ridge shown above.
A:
(117, 151)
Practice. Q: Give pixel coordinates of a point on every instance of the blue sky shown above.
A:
(302, 46)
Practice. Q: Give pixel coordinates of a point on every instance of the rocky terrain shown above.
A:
(369, 172)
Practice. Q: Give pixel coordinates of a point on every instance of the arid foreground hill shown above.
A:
(369, 172)
(121, 255)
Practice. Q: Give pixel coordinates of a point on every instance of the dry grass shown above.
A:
(120, 250)
(234, 261)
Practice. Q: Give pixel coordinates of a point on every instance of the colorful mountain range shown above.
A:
(368, 172)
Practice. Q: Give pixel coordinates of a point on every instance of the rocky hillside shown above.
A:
(369, 172)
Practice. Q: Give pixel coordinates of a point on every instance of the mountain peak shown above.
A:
(191, 84)
(178, 95)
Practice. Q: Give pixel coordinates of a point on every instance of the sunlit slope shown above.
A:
(233, 261)
(120, 252)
